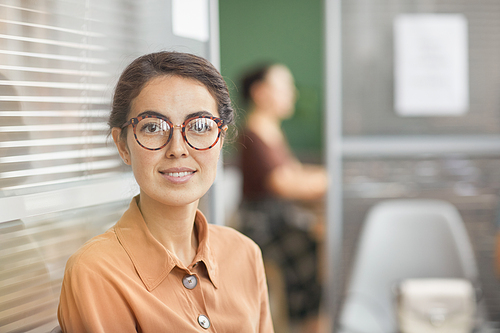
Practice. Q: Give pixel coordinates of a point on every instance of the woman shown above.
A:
(162, 267)
(273, 182)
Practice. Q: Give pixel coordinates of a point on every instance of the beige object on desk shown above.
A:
(436, 306)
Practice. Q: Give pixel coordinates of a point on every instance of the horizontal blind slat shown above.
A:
(97, 152)
(55, 127)
(56, 113)
(22, 8)
(95, 139)
(56, 99)
(88, 166)
(88, 73)
(81, 60)
(82, 46)
(68, 180)
(57, 85)
(42, 26)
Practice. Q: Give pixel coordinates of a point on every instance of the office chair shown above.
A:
(56, 329)
(402, 239)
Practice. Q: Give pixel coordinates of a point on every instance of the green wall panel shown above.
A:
(285, 31)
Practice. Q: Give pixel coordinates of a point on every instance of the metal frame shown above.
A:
(216, 193)
(333, 133)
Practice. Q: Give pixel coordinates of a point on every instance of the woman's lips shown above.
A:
(178, 176)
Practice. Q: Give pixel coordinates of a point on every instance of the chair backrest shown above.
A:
(403, 239)
(56, 329)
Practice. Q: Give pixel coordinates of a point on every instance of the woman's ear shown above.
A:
(121, 145)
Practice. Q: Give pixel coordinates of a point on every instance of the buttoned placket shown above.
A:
(192, 284)
(155, 266)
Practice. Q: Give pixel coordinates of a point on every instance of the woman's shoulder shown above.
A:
(230, 238)
(97, 253)
(234, 252)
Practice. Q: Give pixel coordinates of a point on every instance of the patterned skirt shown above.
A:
(280, 229)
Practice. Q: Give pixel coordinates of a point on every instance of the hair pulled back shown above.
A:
(149, 66)
(252, 76)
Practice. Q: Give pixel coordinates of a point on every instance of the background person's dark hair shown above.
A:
(149, 66)
(252, 76)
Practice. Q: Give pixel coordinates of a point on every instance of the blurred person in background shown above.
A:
(275, 182)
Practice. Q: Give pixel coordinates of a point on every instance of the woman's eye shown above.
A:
(151, 128)
(154, 127)
(200, 126)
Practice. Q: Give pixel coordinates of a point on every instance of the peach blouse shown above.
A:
(125, 281)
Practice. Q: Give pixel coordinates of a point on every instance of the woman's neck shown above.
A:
(172, 226)
(265, 114)
(266, 126)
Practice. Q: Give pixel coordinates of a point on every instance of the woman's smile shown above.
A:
(178, 175)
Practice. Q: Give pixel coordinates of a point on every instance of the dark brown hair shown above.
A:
(252, 76)
(149, 66)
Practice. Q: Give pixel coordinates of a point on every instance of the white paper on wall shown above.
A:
(190, 19)
(431, 76)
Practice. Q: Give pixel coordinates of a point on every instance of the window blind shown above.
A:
(61, 180)
(59, 61)
(33, 254)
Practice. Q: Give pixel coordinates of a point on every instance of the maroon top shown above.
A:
(258, 160)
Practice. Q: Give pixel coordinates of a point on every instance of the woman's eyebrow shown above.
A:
(152, 113)
(161, 115)
(198, 114)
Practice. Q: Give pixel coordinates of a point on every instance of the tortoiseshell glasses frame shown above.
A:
(203, 134)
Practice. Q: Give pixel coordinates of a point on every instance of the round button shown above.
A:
(190, 281)
(203, 321)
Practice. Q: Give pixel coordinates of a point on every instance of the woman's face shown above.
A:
(177, 174)
(278, 91)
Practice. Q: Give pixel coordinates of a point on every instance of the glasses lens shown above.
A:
(201, 133)
(152, 133)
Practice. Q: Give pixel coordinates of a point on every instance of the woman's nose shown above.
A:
(177, 147)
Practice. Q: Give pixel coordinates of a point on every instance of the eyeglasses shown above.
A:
(153, 132)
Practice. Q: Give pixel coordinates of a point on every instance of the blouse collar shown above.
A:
(151, 260)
